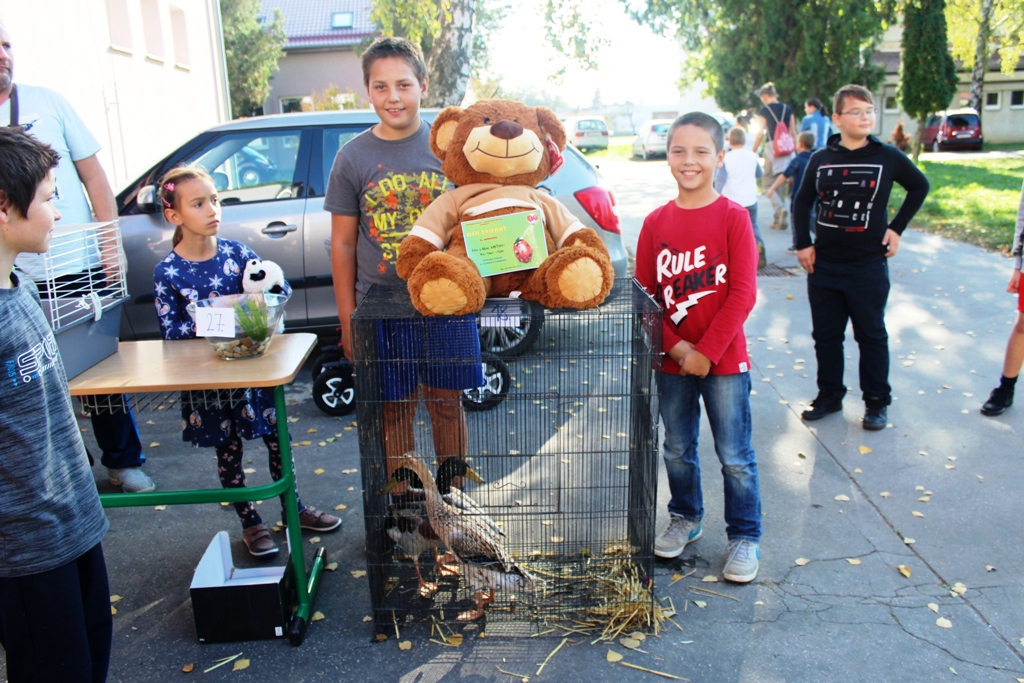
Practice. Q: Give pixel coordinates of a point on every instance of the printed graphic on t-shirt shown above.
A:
(684, 278)
(394, 203)
(846, 194)
(31, 364)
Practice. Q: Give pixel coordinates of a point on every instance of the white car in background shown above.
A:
(587, 133)
(651, 138)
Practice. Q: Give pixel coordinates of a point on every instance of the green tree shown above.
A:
(979, 29)
(452, 34)
(928, 77)
(251, 51)
(809, 48)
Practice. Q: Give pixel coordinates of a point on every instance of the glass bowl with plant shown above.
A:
(256, 318)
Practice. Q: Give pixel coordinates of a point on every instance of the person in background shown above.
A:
(737, 180)
(55, 619)
(815, 122)
(48, 117)
(706, 302)
(769, 116)
(1001, 397)
(795, 172)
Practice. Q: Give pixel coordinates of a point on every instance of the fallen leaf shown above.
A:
(557, 539)
(842, 498)
(405, 645)
(630, 643)
(352, 471)
(455, 639)
(950, 467)
(341, 507)
(622, 467)
(240, 664)
(188, 668)
(885, 494)
(321, 444)
(621, 434)
(801, 561)
(916, 513)
(801, 455)
(159, 508)
(249, 470)
(864, 450)
(909, 541)
(358, 573)
(113, 610)
(959, 588)
(700, 603)
(677, 577)
(314, 540)
(155, 444)
(638, 635)
(331, 566)
(304, 443)
(924, 499)
(943, 622)
(311, 430)
(547, 522)
(904, 569)
(989, 568)
(367, 619)
(853, 560)
(317, 616)
(933, 607)
(293, 419)
(115, 598)
(319, 470)
(710, 578)
(919, 488)
(613, 656)
(857, 470)
(380, 637)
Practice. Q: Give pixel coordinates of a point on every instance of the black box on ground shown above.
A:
(232, 604)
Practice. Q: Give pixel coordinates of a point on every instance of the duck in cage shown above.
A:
(471, 536)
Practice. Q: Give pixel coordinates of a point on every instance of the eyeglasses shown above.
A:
(860, 113)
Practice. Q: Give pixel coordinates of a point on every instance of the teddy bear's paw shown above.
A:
(443, 297)
(581, 281)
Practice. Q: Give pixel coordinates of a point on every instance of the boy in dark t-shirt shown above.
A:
(55, 621)
(380, 183)
(847, 270)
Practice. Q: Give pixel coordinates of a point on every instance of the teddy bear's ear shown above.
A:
(552, 126)
(443, 129)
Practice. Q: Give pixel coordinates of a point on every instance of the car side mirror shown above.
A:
(146, 199)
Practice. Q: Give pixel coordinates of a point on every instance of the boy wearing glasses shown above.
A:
(847, 274)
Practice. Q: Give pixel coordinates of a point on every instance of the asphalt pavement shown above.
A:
(937, 493)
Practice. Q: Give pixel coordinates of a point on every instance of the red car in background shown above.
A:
(954, 129)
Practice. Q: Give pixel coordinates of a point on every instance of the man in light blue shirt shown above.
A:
(816, 122)
(48, 117)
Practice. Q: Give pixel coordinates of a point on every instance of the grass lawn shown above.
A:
(620, 147)
(971, 200)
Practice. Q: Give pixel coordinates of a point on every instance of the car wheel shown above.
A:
(334, 391)
(647, 155)
(249, 175)
(935, 146)
(492, 392)
(513, 340)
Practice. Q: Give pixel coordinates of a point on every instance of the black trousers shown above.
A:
(839, 293)
(56, 625)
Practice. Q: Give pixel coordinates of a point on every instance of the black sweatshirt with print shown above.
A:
(852, 189)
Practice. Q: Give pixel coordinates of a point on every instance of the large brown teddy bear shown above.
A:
(495, 152)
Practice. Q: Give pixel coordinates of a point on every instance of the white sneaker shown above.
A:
(131, 480)
(674, 539)
(742, 561)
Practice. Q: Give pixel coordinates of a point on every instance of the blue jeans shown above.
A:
(117, 435)
(752, 210)
(727, 400)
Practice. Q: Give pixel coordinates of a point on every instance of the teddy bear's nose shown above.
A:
(506, 130)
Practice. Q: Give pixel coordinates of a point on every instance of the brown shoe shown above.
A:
(258, 541)
(315, 520)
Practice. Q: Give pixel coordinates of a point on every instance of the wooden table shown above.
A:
(192, 365)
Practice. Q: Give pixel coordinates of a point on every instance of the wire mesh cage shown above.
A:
(563, 433)
(82, 285)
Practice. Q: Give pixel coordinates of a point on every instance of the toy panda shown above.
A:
(262, 276)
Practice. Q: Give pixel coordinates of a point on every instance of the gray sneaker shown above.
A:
(131, 480)
(742, 561)
(679, 532)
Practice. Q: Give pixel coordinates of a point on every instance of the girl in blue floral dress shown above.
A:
(202, 266)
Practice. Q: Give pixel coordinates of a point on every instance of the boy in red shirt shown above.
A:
(697, 258)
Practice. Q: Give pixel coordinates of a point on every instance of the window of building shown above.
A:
(290, 105)
(153, 30)
(992, 100)
(179, 29)
(890, 104)
(120, 26)
(341, 20)
(1016, 99)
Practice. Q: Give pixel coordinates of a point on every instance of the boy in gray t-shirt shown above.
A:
(55, 621)
(380, 183)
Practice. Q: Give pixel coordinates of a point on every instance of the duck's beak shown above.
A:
(390, 486)
(472, 474)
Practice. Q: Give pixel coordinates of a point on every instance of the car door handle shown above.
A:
(278, 228)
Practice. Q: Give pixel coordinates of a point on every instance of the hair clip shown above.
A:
(166, 203)
(169, 187)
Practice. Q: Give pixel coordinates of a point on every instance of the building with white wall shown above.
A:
(144, 75)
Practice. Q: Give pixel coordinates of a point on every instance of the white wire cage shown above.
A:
(82, 288)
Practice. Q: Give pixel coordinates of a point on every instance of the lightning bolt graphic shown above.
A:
(682, 306)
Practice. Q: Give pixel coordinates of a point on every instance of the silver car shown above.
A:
(271, 173)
